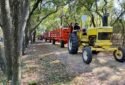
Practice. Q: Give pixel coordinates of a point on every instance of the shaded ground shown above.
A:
(47, 64)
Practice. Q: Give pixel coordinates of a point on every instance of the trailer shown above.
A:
(46, 36)
(60, 35)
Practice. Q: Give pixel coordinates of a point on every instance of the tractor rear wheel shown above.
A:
(119, 54)
(87, 55)
(53, 42)
(73, 43)
(62, 44)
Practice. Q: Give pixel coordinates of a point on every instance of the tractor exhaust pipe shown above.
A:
(105, 19)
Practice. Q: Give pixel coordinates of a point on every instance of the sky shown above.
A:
(116, 5)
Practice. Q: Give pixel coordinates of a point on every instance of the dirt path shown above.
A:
(47, 64)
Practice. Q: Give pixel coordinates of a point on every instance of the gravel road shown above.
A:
(47, 64)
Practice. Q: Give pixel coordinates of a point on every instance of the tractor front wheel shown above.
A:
(87, 55)
(62, 44)
(119, 54)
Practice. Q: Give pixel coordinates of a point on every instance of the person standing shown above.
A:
(76, 26)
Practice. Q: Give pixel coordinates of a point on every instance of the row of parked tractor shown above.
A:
(92, 40)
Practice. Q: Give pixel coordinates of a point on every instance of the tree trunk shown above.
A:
(26, 37)
(123, 32)
(31, 37)
(34, 36)
(8, 53)
(24, 46)
(13, 24)
(8, 39)
(92, 21)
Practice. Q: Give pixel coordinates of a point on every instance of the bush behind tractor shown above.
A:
(94, 40)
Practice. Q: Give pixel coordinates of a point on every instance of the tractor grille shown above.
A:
(104, 36)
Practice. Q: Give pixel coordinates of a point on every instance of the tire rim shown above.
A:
(118, 54)
(85, 55)
(70, 45)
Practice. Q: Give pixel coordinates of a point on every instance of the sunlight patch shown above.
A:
(55, 62)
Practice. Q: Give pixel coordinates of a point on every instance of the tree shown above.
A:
(119, 13)
(14, 15)
(14, 20)
(44, 9)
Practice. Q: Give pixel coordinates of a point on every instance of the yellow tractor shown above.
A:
(94, 40)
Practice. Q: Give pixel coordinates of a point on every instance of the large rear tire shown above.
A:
(62, 44)
(73, 43)
(87, 55)
(119, 54)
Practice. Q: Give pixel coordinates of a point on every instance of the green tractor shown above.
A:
(94, 40)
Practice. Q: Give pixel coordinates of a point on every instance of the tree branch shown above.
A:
(47, 15)
(104, 10)
(43, 19)
(97, 9)
(34, 8)
(118, 17)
